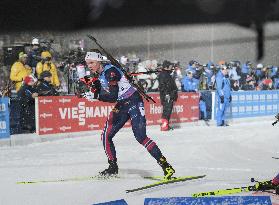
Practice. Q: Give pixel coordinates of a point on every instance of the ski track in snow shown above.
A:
(229, 157)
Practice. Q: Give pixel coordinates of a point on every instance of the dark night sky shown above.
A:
(75, 14)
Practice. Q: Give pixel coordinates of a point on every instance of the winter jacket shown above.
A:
(46, 89)
(18, 72)
(223, 85)
(190, 84)
(167, 85)
(48, 66)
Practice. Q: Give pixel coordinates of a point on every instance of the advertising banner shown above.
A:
(61, 114)
(4, 118)
(252, 104)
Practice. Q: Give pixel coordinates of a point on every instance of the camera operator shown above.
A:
(45, 88)
(34, 55)
(168, 93)
(47, 65)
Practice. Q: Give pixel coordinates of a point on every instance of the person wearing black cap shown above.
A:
(45, 88)
(168, 93)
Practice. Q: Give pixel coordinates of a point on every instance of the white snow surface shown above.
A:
(229, 156)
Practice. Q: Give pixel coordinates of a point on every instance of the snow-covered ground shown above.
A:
(229, 156)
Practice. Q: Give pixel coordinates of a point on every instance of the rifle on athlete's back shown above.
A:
(117, 64)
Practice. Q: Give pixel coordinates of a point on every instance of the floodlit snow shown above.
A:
(229, 156)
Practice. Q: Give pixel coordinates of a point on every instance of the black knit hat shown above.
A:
(166, 64)
(45, 74)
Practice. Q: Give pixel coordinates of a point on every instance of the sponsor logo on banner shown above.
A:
(45, 129)
(81, 112)
(159, 109)
(177, 109)
(183, 119)
(73, 114)
(92, 126)
(195, 96)
(3, 125)
(149, 122)
(64, 128)
(194, 107)
(242, 97)
(184, 97)
(249, 97)
(155, 109)
(235, 98)
(45, 115)
(2, 107)
(262, 97)
(65, 100)
(45, 101)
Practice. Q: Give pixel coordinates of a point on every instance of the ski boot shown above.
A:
(167, 168)
(111, 170)
(165, 125)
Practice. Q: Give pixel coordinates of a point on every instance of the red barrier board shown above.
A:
(61, 114)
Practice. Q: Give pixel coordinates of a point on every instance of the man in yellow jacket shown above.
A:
(47, 65)
(20, 70)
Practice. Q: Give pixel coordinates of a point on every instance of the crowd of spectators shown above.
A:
(246, 76)
(36, 74)
(196, 76)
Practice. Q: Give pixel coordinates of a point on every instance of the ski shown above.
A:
(222, 192)
(275, 157)
(86, 178)
(162, 181)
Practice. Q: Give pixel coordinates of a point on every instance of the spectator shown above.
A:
(208, 72)
(34, 55)
(177, 75)
(47, 65)
(275, 77)
(192, 66)
(235, 85)
(258, 72)
(234, 70)
(245, 71)
(265, 84)
(250, 84)
(190, 84)
(168, 94)
(20, 70)
(26, 95)
(45, 88)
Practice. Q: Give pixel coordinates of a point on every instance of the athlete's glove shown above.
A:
(88, 88)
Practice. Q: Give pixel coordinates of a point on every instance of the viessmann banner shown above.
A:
(61, 114)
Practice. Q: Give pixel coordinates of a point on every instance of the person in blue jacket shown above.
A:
(111, 85)
(189, 83)
(223, 92)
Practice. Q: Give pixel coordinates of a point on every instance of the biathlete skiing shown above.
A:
(111, 85)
